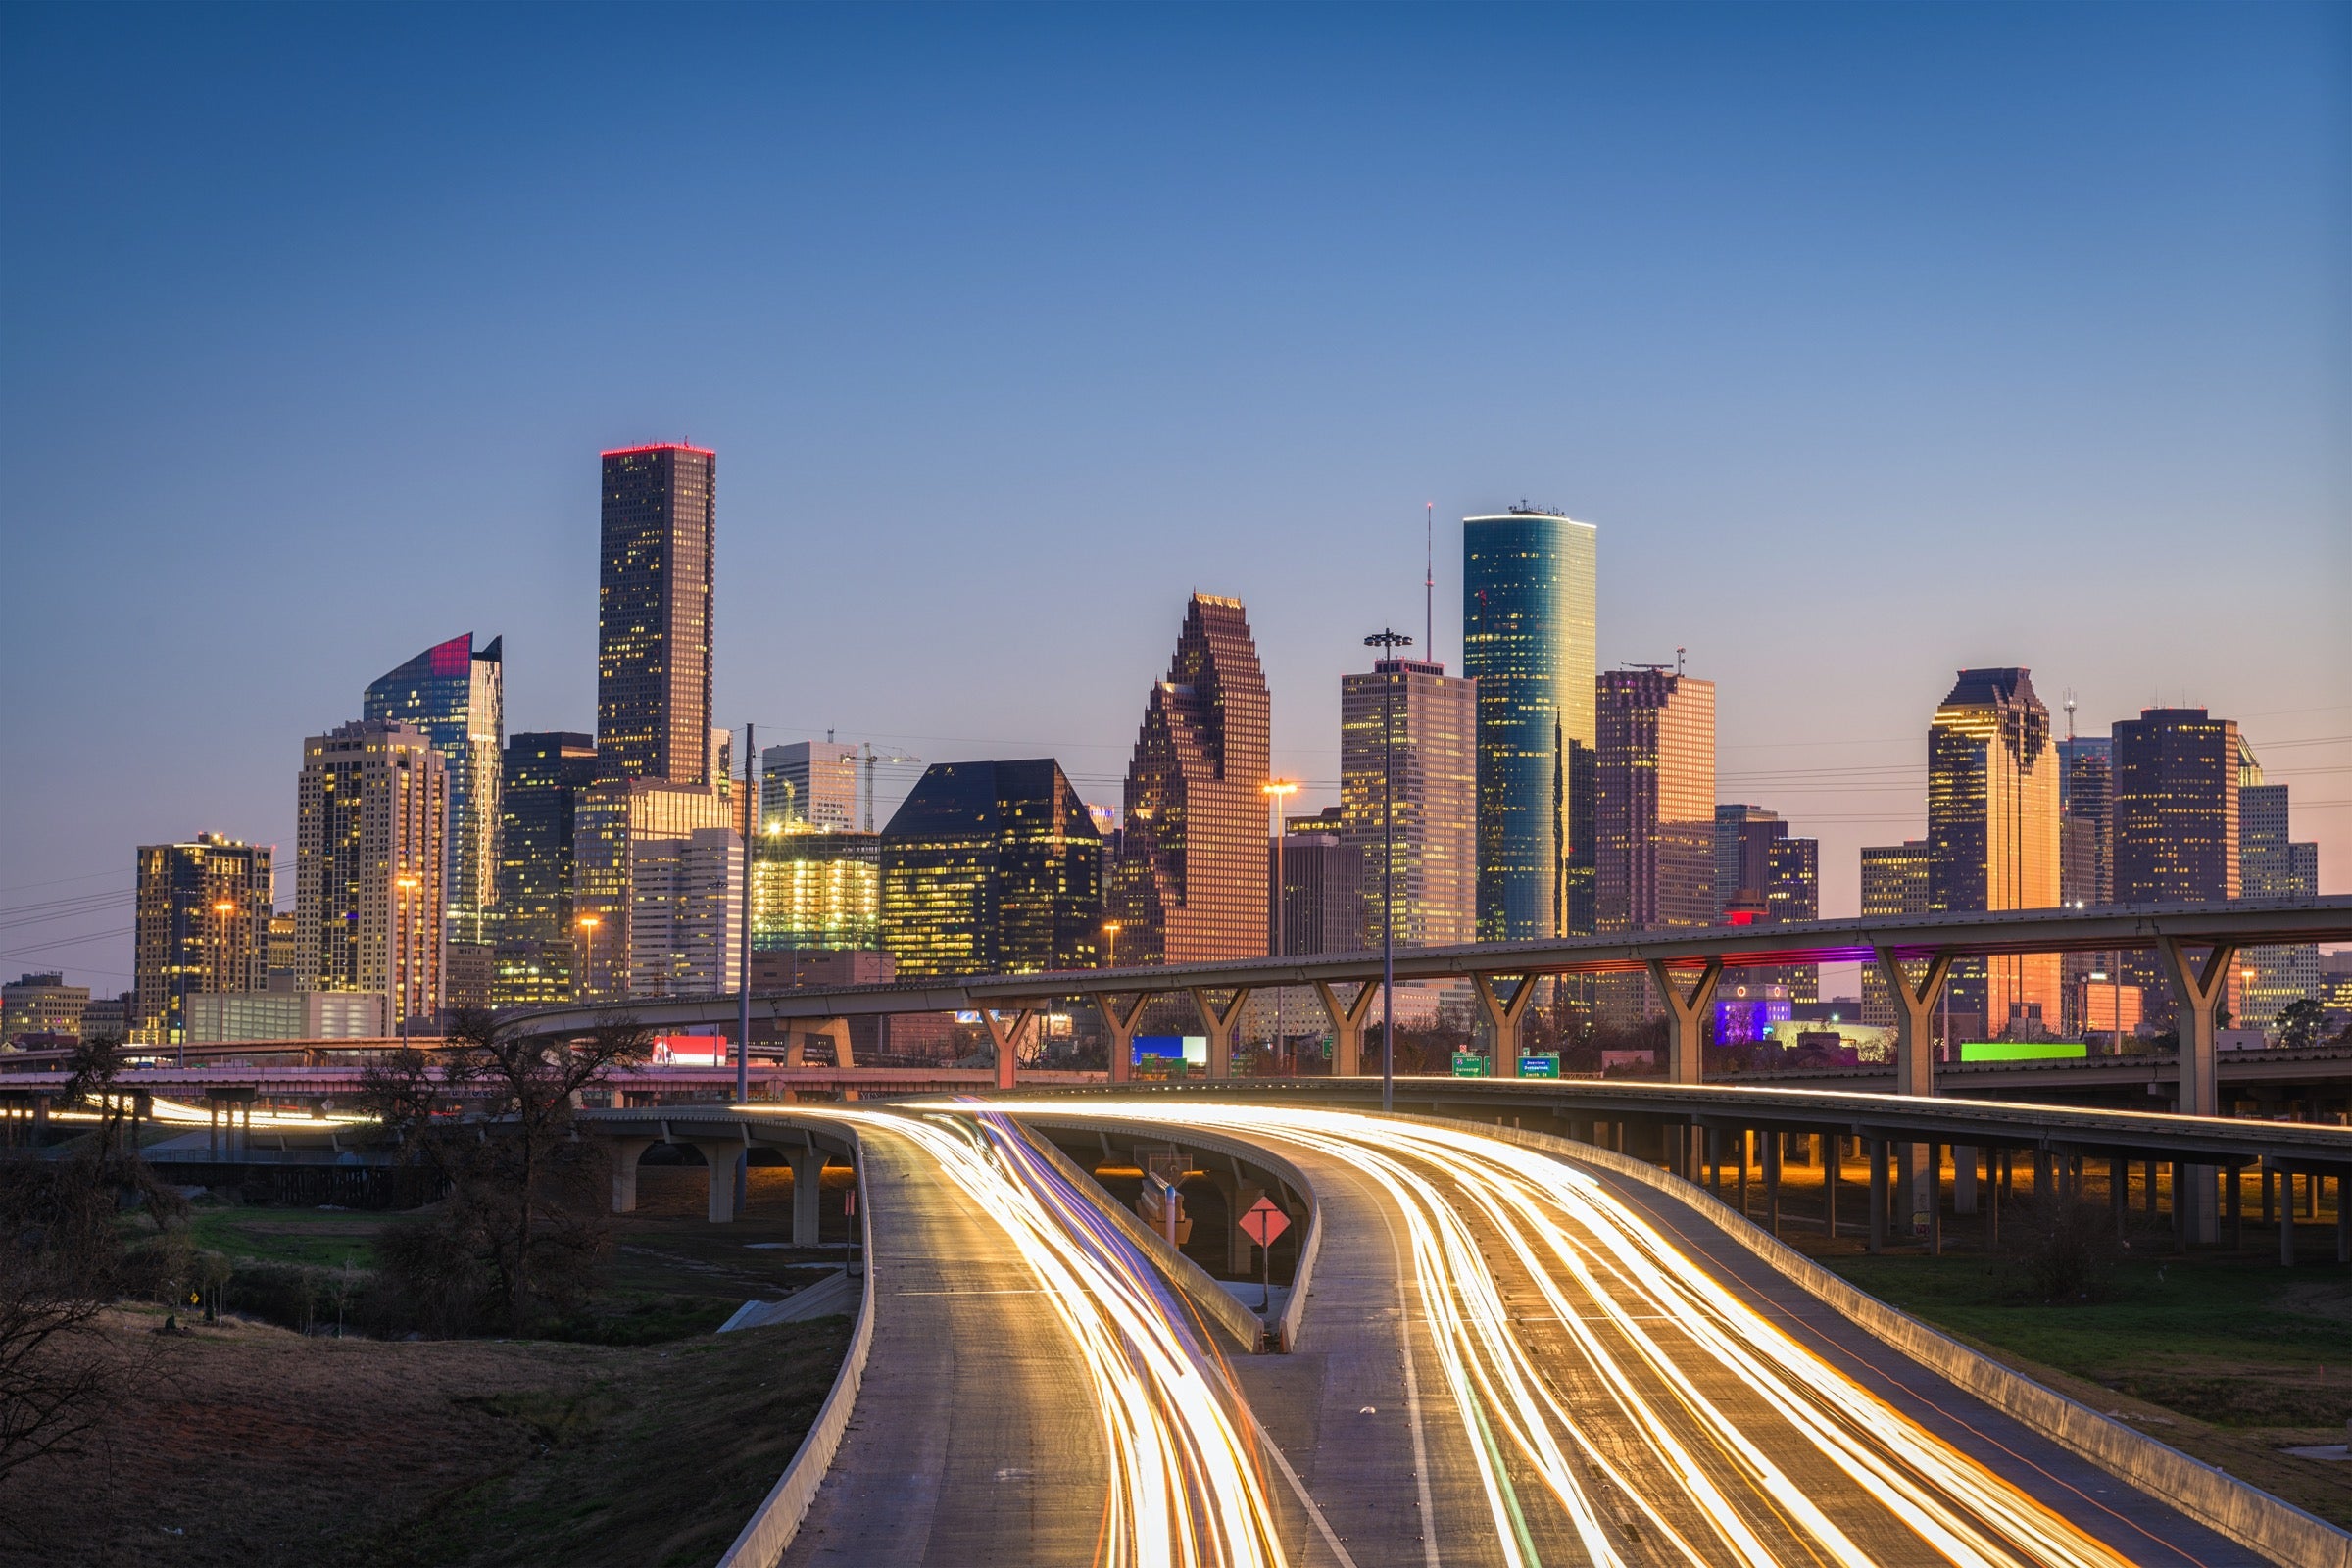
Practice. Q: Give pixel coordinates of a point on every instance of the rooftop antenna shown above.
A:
(1678, 660)
(2070, 712)
(1429, 580)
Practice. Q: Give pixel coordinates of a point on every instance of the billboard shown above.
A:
(2023, 1051)
(1190, 1048)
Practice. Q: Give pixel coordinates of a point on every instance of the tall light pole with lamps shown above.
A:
(1277, 790)
(580, 990)
(408, 948)
(1389, 642)
(1110, 930)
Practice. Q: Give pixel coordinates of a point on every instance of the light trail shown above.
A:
(1185, 1487)
(1646, 1414)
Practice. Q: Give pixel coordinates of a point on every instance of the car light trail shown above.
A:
(1664, 1419)
(1185, 1486)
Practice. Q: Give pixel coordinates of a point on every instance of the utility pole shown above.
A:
(742, 995)
(1388, 642)
(1276, 790)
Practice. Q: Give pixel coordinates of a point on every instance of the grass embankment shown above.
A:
(2230, 1359)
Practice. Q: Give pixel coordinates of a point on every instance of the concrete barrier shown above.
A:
(777, 1519)
(1310, 1246)
(2247, 1515)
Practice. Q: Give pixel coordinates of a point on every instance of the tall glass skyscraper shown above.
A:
(1992, 839)
(456, 695)
(652, 615)
(995, 867)
(1530, 582)
(1432, 744)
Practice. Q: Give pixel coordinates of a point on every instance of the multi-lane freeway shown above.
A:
(1507, 1358)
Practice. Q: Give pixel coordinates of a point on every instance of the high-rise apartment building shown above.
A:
(686, 915)
(1530, 583)
(1992, 840)
(1744, 839)
(41, 1004)
(1894, 882)
(1654, 816)
(610, 818)
(2085, 857)
(203, 925)
(815, 890)
(995, 868)
(2177, 772)
(371, 862)
(1322, 895)
(654, 604)
(542, 775)
(1190, 884)
(1432, 758)
(811, 782)
(2272, 865)
(456, 694)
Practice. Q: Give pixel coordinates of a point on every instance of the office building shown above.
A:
(1190, 884)
(1993, 843)
(111, 1017)
(288, 1015)
(654, 604)
(542, 777)
(686, 915)
(609, 818)
(1744, 840)
(995, 867)
(1322, 907)
(815, 890)
(810, 782)
(2086, 858)
(2272, 865)
(2175, 826)
(41, 1004)
(1894, 882)
(1530, 581)
(456, 695)
(1792, 892)
(1654, 816)
(1432, 758)
(371, 860)
(281, 969)
(203, 925)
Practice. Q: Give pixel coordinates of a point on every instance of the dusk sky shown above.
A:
(1877, 342)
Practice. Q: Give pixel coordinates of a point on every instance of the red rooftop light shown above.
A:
(657, 446)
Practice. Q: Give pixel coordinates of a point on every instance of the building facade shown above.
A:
(610, 818)
(810, 782)
(1993, 842)
(41, 1004)
(1432, 736)
(1894, 881)
(817, 889)
(203, 925)
(456, 694)
(542, 775)
(992, 868)
(1653, 818)
(1322, 898)
(288, 1015)
(686, 913)
(2271, 864)
(1190, 883)
(653, 606)
(2177, 772)
(371, 859)
(1529, 586)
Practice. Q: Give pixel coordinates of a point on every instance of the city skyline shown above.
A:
(1815, 434)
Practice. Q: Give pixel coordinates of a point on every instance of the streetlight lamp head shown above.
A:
(589, 921)
(225, 906)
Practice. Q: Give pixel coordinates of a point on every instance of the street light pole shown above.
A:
(1389, 642)
(1277, 789)
(743, 1002)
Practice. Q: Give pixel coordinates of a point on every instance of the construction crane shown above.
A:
(872, 757)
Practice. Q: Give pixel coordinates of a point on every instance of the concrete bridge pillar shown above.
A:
(1503, 1015)
(807, 1191)
(1688, 1008)
(625, 1151)
(1964, 1179)
(1219, 1023)
(722, 1156)
(1913, 1058)
(1347, 1026)
(2198, 996)
(1008, 1038)
(1123, 1017)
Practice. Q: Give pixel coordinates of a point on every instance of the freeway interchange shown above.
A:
(1508, 1354)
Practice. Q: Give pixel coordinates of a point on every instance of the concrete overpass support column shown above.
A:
(1689, 1009)
(2198, 996)
(2343, 1219)
(836, 1030)
(1964, 1179)
(807, 1192)
(1878, 1194)
(1219, 1023)
(1913, 1060)
(625, 1151)
(1833, 1160)
(1347, 1026)
(1007, 1040)
(2119, 1192)
(1934, 1172)
(2287, 1222)
(1123, 1017)
(1503, 1016)
(721, 1156)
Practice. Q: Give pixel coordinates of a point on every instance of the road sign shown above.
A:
(1264, 1221)
(1539, 1064)
(1469, 1064)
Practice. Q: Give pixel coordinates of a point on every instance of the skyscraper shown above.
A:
(654, 603)
(1529, 589)
(2272, 865)
(810, 781)
(370, 869)
(1432, 738)
(995, 868)
(1322, 907)
(457, 696)
(612, 818)
(686, 913)
(1190, 884)
(543, 776)
(1792, 892)
(1894, 881)
(1992, 840)
(1654, 814)
(203, 926)
(1744, 840)
(2176, 825)
(817, 890)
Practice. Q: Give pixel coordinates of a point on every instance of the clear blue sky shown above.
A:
(1876, 341)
